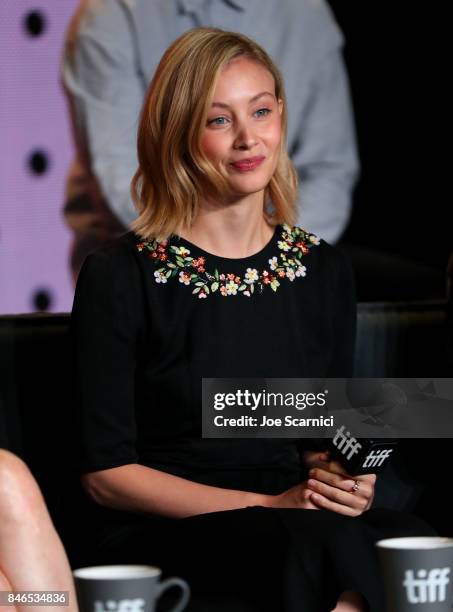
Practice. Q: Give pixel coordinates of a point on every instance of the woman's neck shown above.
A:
(234, 231)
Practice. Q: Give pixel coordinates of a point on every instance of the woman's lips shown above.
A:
(245, 165)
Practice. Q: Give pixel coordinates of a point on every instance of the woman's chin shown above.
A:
(246, 187)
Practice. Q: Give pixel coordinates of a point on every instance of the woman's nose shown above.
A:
(245, 138)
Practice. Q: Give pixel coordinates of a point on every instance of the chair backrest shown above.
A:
(402, 340)
(408, 340)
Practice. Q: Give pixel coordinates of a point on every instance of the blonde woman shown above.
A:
(216, 281)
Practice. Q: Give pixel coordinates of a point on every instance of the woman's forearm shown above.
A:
(137, 488)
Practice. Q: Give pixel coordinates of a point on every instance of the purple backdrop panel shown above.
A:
(35, 153)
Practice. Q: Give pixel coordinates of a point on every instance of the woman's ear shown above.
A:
(280, 106)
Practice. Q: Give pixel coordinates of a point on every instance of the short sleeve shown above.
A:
(106, 324)
(344, 318)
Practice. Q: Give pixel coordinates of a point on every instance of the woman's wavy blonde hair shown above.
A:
(173, 173)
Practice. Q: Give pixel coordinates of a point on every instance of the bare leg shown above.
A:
(5, 586)
(350, 602)
(32, 557)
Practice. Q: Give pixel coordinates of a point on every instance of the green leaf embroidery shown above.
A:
(207, 282)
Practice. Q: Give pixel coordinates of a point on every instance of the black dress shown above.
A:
(149, 322)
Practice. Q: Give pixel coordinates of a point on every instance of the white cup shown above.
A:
(121, 588)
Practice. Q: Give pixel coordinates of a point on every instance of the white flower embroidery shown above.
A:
(191, 271)
(184, 278)
(273, 263)
(251, 276)
(290, 274)
(301, 271)
(160, 277)
(283, 246)
(231, 288)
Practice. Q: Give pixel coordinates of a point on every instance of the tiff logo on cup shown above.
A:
(427, 586)
(123, 605)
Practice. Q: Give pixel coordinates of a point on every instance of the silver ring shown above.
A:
(356, 486)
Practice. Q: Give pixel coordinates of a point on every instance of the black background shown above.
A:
(395, 53)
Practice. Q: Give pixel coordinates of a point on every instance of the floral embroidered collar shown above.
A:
(294, 245)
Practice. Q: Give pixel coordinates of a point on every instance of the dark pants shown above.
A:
(284, 560)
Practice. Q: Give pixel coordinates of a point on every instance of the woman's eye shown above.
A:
(217, 121)
(262, 112)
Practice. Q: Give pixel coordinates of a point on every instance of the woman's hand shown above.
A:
(332, 488)
(329, 487)
(300, 495)
(296, 497)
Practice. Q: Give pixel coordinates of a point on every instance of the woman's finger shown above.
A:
(315, 459)
(331, 478)
(358, 499)
(337, 468)
(371, 478)
(327, 504)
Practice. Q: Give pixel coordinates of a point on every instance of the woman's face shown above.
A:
(243, 129)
